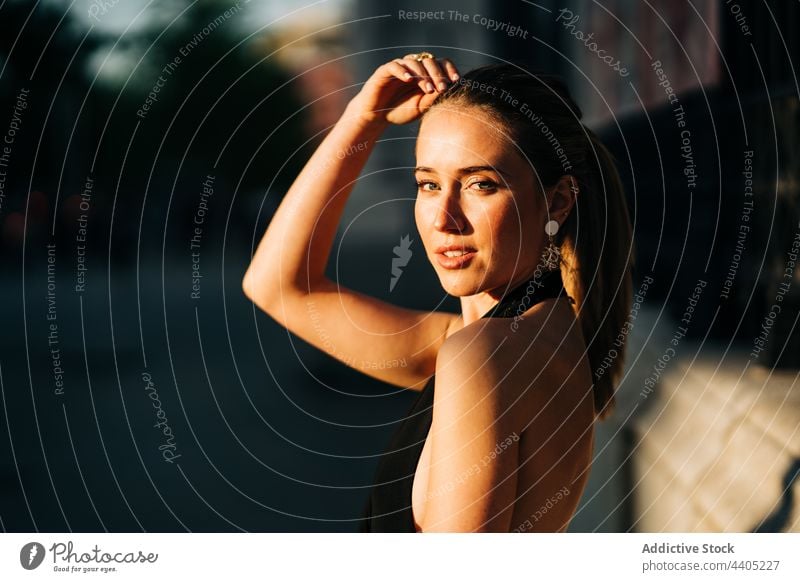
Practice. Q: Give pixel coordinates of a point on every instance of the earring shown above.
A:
(551, 256)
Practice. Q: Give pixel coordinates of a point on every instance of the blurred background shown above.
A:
(145, 146)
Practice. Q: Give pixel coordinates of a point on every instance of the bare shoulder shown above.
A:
(525, 357)
(547, 328)
(533, 380)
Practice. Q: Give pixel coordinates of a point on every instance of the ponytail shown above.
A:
(598, 258)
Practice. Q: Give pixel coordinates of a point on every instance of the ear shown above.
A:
(561, 198)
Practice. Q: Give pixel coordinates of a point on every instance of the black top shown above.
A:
(388, 508)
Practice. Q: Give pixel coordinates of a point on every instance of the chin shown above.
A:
(459, 284)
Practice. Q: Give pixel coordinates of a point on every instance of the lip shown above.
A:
(455, 262)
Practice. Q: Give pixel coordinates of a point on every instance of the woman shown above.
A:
(513, 191)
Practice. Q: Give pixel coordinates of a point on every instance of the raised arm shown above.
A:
(286, 277)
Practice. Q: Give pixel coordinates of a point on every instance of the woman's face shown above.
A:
(475, 190)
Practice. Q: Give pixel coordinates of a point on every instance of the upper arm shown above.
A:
(394, 344)
(478, 417)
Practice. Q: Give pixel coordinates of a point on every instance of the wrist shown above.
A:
(364, 117)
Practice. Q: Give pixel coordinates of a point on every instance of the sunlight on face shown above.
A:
(475, 190)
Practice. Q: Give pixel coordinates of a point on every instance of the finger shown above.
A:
(436, 74)
(398, 69)
(421, 74)
(451, 70)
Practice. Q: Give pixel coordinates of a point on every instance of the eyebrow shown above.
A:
(467, 170)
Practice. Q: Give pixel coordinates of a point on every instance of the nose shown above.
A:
(449, 217)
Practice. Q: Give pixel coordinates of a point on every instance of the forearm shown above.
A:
(294, 250)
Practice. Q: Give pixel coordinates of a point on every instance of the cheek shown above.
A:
(503, 223)
(512, 233)
(526, 220)
(426, 211)
(424, 219)
(419, 215)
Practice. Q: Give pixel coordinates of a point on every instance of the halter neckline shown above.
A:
(531, 291)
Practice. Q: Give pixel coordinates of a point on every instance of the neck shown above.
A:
(473, 307)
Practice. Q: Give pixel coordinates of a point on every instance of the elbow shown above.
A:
(247, 286)
(255, 294)
(267, 297)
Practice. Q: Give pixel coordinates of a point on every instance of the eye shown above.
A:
(484, 185)
(426, 185)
